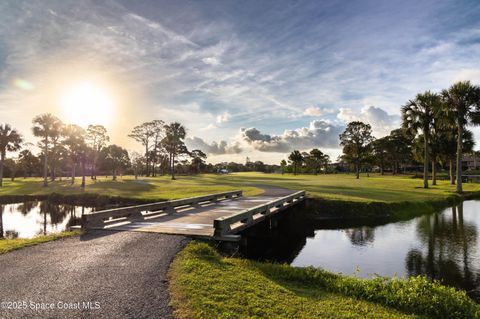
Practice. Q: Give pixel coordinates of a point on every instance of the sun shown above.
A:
(87, 104)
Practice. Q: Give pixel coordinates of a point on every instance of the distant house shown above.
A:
(223, 171)
(471, 162)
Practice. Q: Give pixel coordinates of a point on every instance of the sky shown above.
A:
(253, 79)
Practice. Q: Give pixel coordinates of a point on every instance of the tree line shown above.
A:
(434, 133)
(82, 152)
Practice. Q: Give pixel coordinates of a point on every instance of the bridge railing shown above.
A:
(225, 227)
(106, 217)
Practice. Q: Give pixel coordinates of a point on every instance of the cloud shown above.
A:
(468, 75)
(318, 134)
(211, 60)
(223, 118)
(382, 123)
(317, 111)
(213, 148)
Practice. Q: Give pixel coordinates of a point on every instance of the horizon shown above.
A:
(247, 80)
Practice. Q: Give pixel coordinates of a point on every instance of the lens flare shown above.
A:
(23, 84)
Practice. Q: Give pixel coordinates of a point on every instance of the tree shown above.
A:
(283, 165)
(74, 143)
(418, 115)
(448, 148)
(296, 158)
(198, 159)
(399, 149)
(356, 141)
(326, 161)
(10, 141)
(56, 133)
(173, 142)
(44, 126)
(137, 161)
(317, 158)
(28, 162)
(158, 129)
(12, 165)
(97, 139)
(462, 102)
(380, 149)
(143, 134)
(116, 158)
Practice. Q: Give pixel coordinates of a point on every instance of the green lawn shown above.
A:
(7, 245)
(331, 186)
(205, 285)
(161, 188)
(345, 187)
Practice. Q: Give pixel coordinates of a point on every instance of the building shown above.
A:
(471, 162)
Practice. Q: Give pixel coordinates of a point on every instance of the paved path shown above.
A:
(125, 272)
(198, 221)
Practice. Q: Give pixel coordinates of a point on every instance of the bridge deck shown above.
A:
(219, 215)
(194, 221)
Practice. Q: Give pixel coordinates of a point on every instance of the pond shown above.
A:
(444, 245)
(32, 218)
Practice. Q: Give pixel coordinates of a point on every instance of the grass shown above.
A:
(375, 188)
(157, 188)
(205, 285)
(343, 187)
(7, 245)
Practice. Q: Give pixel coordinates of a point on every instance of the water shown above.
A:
(445, 246)
(29, 219)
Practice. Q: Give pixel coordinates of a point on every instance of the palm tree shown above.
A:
(296, 158)
(10, 141)
(44, 126)
(419, 115)
(462, 102)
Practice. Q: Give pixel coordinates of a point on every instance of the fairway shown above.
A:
(345, 187)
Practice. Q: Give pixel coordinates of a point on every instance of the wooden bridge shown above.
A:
(219, 216)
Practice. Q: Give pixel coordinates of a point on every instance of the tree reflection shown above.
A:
(448, 241)
(56, 212)
(11, 234)
(361, 236)
(1, 221)
(26, 207)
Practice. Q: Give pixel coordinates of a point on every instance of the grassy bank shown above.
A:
(7, 245)
(206, 285)
(318, 208)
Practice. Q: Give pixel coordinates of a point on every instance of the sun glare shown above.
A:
(87, 104)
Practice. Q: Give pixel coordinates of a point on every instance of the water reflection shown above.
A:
(442, 246)
(28, 219)
(451, 250)
(361, 236)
